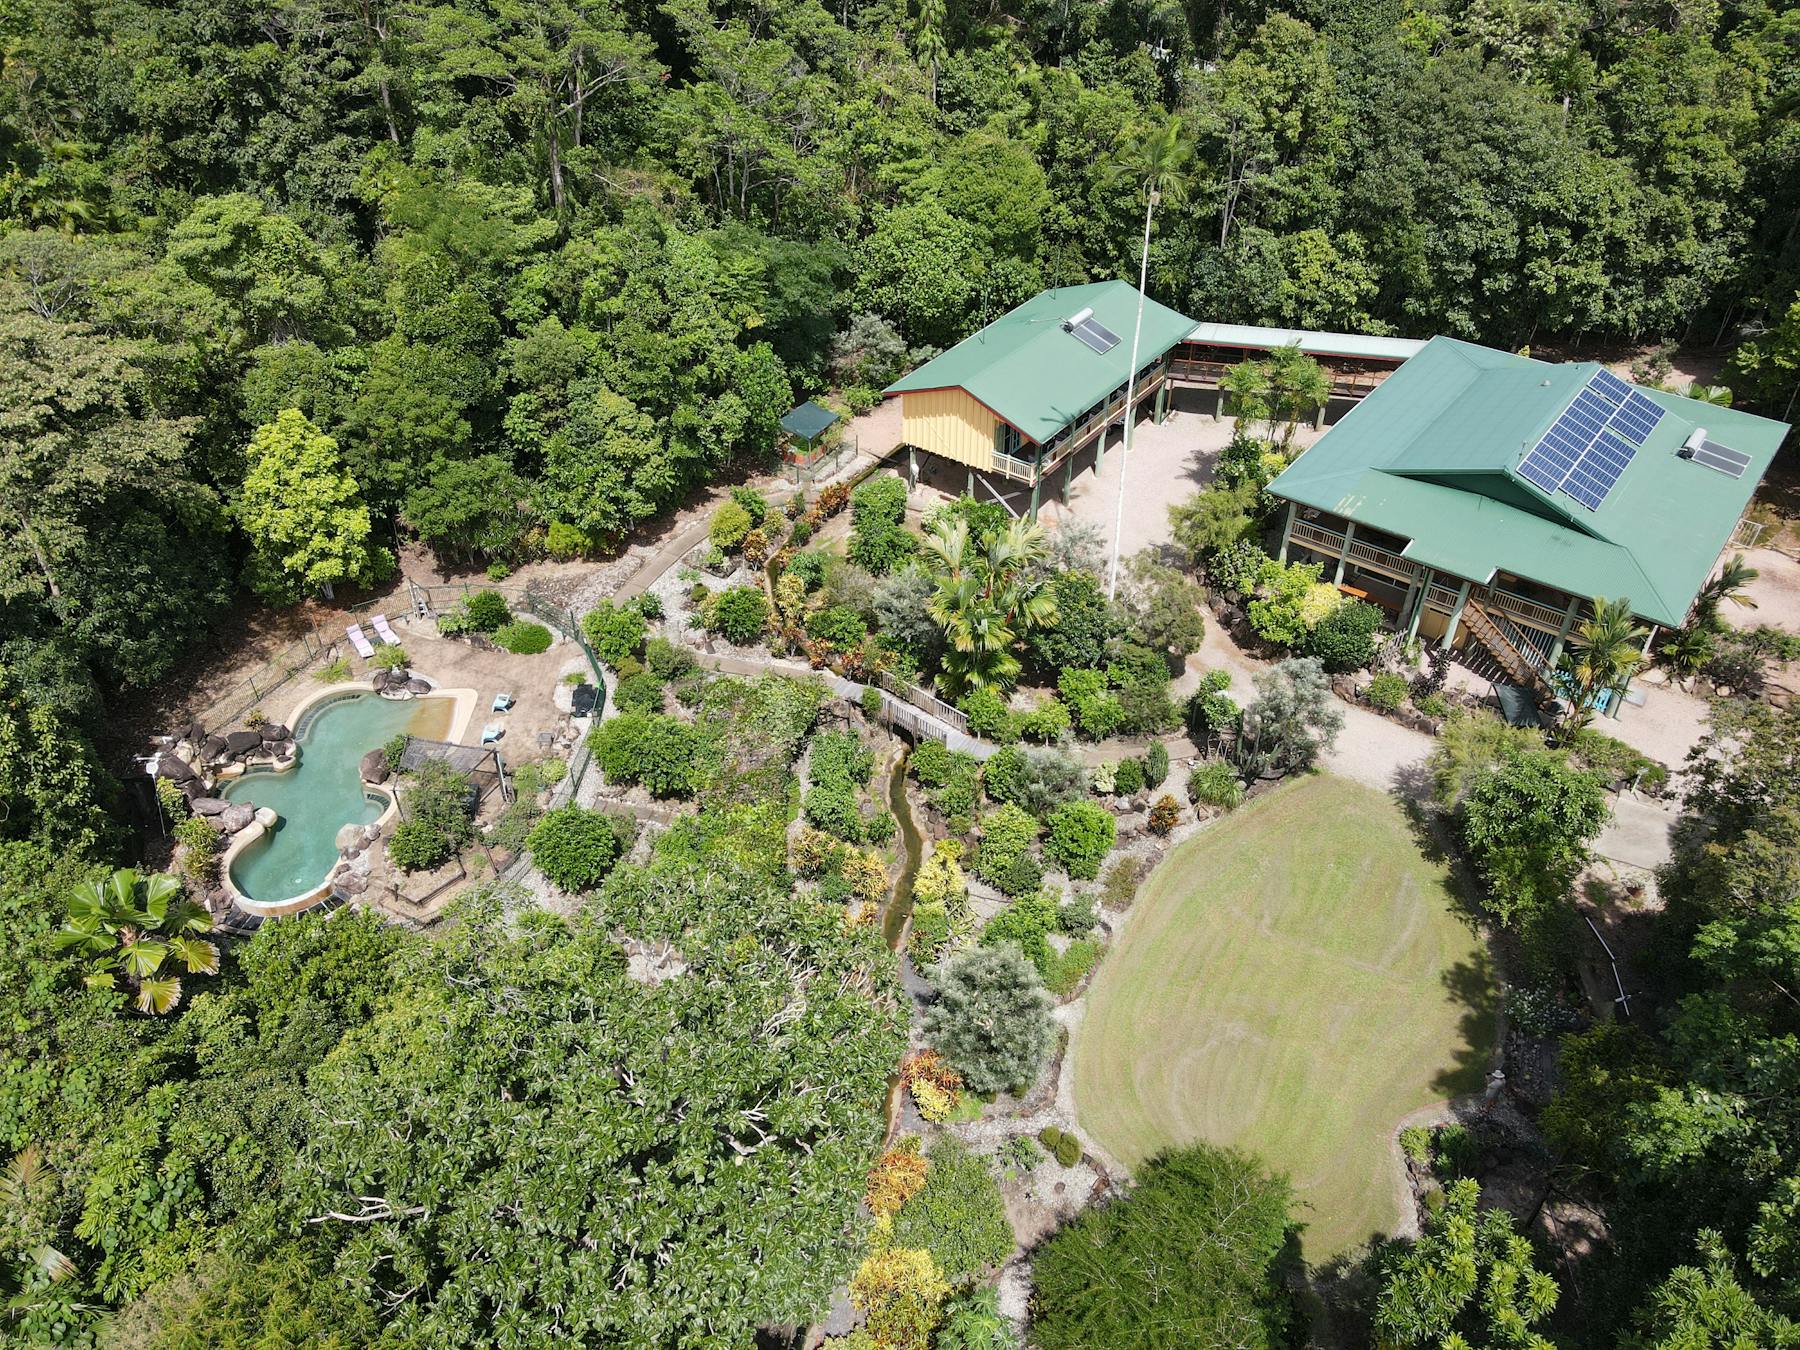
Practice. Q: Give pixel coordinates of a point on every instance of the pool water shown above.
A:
(324, 791)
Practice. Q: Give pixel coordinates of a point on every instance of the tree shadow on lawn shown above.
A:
(1430, 830)
(1471, 982)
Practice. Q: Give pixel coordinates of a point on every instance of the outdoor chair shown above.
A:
(360, 641)
(503, 702)
(384, 630)
(492, 732)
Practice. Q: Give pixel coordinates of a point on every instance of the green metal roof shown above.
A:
(1432, 455)
(809, 421)
(1031, 373)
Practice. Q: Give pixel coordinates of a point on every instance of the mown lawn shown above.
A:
(1294, 981)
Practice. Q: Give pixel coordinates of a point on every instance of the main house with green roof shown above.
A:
(1478, 493)
(1023, 395)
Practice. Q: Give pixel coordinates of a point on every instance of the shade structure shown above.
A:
(809, 421)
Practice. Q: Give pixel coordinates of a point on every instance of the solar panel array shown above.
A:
(1591, 443)
(1723, 458)
(1096, 335)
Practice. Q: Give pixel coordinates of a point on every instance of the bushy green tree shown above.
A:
(304, 513)
(740, 615)
(1081, 834)
(615, 633)
(661, 753)
(1194, 1254)
(1291, 722)
(990, 1018)
(1527, 824)
(958, 1215)
(574, 848)
(1470, 1280)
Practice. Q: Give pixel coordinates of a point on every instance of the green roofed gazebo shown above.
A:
(1475, 493)
(808, 422)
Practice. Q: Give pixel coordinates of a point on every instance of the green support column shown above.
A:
(1287, 528)
(1162, 402)
(1349, 534)
(1037, 479)
(1462, 598)
(1562, 636)
(1424, 584)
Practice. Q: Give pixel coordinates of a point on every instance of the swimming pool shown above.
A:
(324, 790)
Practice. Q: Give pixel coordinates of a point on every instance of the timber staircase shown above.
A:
(1522, 665)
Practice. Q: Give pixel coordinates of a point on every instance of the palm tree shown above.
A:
(1604, 651)
(1298, 387)
(1731, 584)
(1158, 160)
(133, 928)
(987, 599)
(928, 41)
(1688, 650)
(1718, 395)
(1248, 385)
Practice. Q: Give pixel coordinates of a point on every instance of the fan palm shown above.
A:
(986, 599)
(1731, 584)
(137, 931)
(1605, 650)
(1298, 387)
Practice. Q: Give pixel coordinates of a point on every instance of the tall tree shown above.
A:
(305, 517)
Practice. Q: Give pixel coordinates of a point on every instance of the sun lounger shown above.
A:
(503, 702)
(492, 732)
(360, 641)
(384, 630)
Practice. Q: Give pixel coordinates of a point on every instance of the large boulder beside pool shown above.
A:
(375, 766)
(208, 806)
(273, 732)
(211, 749)
(418, 686)
(384, 680)
(174, 768)
(243, 742)
(349, 838)
(237, 816)
(351, 885)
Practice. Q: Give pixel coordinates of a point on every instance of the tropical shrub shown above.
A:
(442, 800)
(1027, 924)
(958, 1215)
(1097, 713)
(388, 657)
(1128, 777)
(935, 1086)
(740, 615)
(1086, 624)
(950, 779)
(1386, 691)
(831, 807)
(523, 638)
(563, 541)
(1212, 714)
(1007, 835)
(896, 1177)
(755, 505)
(1063, 1145)
(1196, 1253)
(1081, 834)
(990, 1018)
(640, 692)
(1215, 783)
(730, 523)
(200, 846)
(1165, 814)
(614, 633)
(666, 661)
(661, 753)
(1068, 969)
(1156, 764)
(1046, 722)
(838, 626)
(940, 902)
(1345, 638)
(485, 611)
(989, 715)
(574, 848)
(1291, 604)
(901, 1294)
(415, 847)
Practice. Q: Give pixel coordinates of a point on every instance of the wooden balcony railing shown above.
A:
(1361, 552)
(1525, 611)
